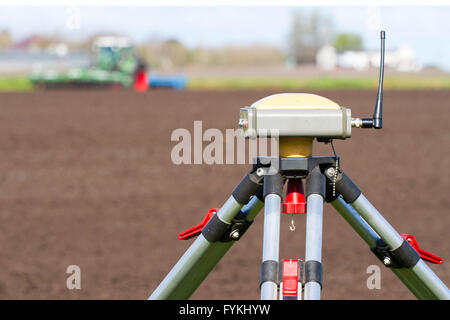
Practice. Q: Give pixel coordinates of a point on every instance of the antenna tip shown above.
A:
(382, 34)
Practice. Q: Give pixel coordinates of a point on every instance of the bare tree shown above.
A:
(5, 40)
(307, 35)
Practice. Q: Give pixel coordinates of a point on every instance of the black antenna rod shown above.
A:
(377, 118)
(378, 112)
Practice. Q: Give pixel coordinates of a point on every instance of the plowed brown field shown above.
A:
(86, 179)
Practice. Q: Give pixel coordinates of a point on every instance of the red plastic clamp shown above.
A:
(423, 254)
(295, 198)
(290, 278)
(197, 229)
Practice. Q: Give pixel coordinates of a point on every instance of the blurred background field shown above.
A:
(333, 81)
(15, 83)
(421, 81)
(223, 48)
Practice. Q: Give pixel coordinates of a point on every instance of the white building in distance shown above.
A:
(402, 59)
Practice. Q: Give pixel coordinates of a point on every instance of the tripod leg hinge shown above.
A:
(247, 188)
(315, 183)
(269, 272)
(216, 230)
(344, 186)
(403, 257)
(273, 184)
(260, 194)
(313, 271)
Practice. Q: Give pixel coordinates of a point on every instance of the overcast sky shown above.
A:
(425, 29)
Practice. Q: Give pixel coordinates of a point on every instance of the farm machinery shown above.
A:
(115, 64)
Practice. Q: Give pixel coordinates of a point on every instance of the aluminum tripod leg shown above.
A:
(313, 254)
(273, 186)
(314, 221)
(419, 272)
(201, 257)
(271, 243)
(385, 241)
(373, 239)
(356, 222)
(196, 263)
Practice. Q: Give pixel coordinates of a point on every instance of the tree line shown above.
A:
(308, 33)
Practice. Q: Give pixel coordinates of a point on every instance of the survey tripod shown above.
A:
(299, 120)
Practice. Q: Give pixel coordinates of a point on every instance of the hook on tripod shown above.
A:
(292, 226)
(295, 200)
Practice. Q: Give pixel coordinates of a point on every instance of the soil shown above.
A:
(86, 179)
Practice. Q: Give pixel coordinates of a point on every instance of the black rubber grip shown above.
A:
(313, 271)
(215, 229)
(347, 188)
(405, 255)
(247, 188)
(273, 184)
(269, 272)
(260, 194)
(315, 183)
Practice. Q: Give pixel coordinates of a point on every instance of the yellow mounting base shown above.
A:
(295, 147)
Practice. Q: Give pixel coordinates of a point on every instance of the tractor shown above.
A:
(114, 64)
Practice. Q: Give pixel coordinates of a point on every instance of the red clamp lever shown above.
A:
(423, 254)
(195, 230)
(290, 278)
